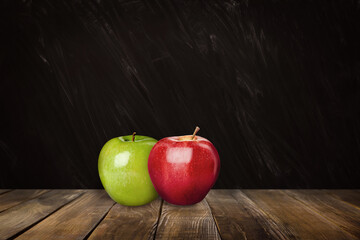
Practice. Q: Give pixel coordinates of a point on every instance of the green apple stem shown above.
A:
(133, 136)
(196, 130)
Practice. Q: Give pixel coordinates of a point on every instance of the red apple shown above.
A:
(184, 168)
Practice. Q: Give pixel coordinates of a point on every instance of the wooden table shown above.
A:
(224, 214)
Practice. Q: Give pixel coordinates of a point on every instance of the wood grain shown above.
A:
(232, 218)
(75, 220)
(293, 219)
(351, 197)
(343, 215)
(20, 217)
(187, 222)
(2, 191)
(129, 222)
(269, 225)
(16, 197)
(224, 214)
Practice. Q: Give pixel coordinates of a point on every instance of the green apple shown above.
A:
(123, 170)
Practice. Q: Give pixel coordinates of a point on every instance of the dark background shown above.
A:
(273, 84)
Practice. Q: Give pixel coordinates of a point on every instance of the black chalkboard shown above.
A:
(275, 85)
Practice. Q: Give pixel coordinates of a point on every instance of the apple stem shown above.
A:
(133, 136)
(196, 130)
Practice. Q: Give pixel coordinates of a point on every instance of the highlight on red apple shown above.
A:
(183, 169)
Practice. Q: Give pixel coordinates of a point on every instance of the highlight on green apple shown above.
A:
(123, 169)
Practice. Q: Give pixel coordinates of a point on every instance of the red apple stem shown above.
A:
(195, 132)
(133, 136)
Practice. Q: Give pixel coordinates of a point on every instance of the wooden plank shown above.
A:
(16, 197)
(232, 218)
(268, 224)
(75, 220)
(187, 222)
(2, 191)
(351, 197)
(129, 222)
(20, 217)
(343, 215)
(294, 219)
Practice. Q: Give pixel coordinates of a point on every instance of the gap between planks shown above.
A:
(187, 222)
(236, 219)
(126, 222)
(261, 211)
(158, 219)
(84, 213)
(2, 191)
(14, 198)
(24, 216)
(216, 223)
(40, 220)
(100, 220)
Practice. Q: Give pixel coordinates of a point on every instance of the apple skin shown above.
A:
(123, 170)
(183, 170)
